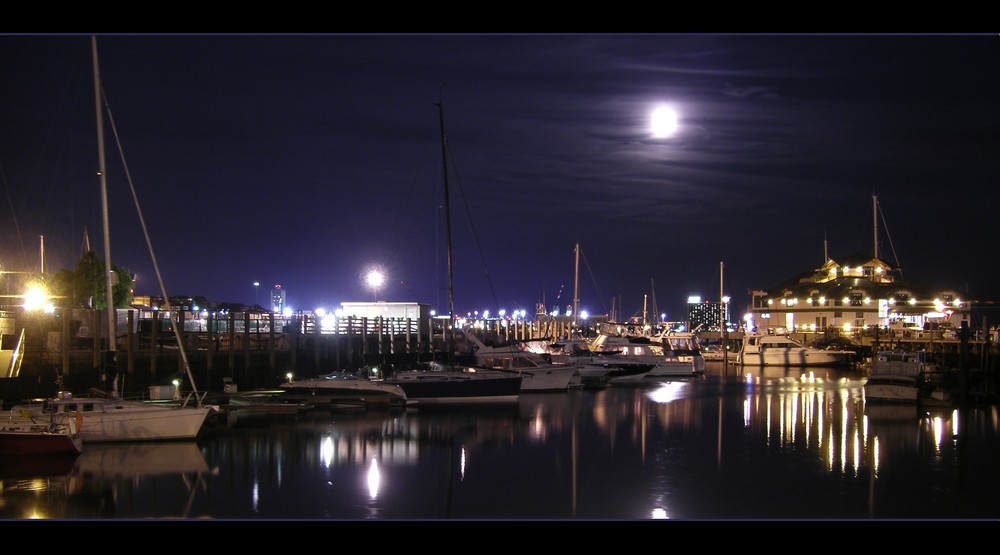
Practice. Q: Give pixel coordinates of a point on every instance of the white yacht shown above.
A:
(540, 372)
(764, 349)
(670, 354)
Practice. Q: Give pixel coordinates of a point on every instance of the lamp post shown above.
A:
(256, 288)
(375, 279)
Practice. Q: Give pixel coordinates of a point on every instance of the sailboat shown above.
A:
(449, 383)
(21, 434)
(108, 417)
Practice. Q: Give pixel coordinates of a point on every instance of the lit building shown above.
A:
(705, 314)
(854, 293)
(277, 299)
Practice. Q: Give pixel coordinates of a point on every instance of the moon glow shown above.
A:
(663, 122)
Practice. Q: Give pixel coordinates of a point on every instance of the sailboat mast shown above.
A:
(112, 329)
(576, 287)
(875, 224)
(447, 211)
(722, 296)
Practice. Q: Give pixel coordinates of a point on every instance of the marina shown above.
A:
(770, 443)
(842, 392)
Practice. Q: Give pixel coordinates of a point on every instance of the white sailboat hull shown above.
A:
(143, 424)
(110, 419)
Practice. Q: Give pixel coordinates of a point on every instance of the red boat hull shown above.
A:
(43, 443)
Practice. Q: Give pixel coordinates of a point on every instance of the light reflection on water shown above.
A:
(734, 444)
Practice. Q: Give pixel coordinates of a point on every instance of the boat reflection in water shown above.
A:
(735, 443)
(157, 479)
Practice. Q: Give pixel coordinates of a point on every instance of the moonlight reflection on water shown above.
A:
(771, 444)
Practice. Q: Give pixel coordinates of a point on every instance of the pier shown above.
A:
(247, 350)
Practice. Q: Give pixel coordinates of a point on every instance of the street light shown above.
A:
(375, 280)
(256, 287)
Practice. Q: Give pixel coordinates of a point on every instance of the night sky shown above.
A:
(305, 160)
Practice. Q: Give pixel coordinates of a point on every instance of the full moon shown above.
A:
(663, 122)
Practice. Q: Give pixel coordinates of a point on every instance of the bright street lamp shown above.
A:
(256, 288)
(375, 280)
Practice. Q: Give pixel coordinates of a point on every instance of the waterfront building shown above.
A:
(853, 293)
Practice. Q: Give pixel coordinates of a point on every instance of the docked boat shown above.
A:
(114, 419)
(262, 403)
(898, 376)
(540, 373)
(344, 390)
(760, 349)
(892, 387)
(110, 417)
(713, 352)
(682, 346)
(454, 384)
(593, 369)
(24, 433)
(663, 361)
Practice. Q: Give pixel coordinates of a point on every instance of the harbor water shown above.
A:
(735, 443)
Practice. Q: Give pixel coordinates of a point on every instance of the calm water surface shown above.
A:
(733, 444)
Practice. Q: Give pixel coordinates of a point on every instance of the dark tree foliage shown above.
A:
(85, 286)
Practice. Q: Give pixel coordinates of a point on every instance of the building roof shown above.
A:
(857, 273)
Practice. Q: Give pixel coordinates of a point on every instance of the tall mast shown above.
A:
(112, 331)
(576, 287)
(722, 305)
(447, 211)
(448, 331)
(723, 329)
(875, 224)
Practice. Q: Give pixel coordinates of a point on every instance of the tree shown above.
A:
(88, 287)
